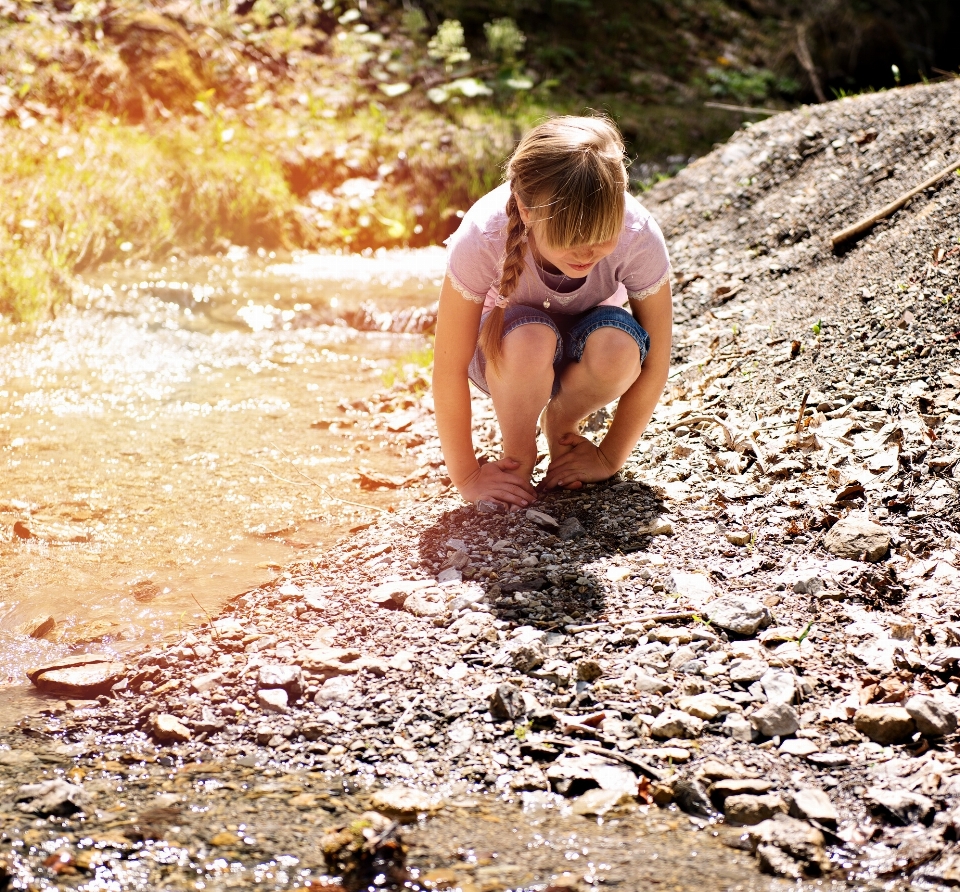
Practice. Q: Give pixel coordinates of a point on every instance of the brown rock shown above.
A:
(885, 724)
(166, 728)
(81, 676)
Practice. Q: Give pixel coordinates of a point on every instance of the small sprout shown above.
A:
(818, 327)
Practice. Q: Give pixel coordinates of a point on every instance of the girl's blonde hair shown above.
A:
(569, 173)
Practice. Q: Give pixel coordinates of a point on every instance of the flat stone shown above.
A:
(775, 720)
(81, 680)
(273, 699)
(798, 746)
(404, 802)
(933, 717)
(856, 538)
(738, 537)
(744, 810)
(649, 684)
(707, 706)
(166, 728)
(207, 682)
(812, 804)
(738, 614)
(69, 663)
(901, 806)
(543, 520)
(675, 723)
(885, 724)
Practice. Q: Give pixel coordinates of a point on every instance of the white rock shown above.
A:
(707, 706)
(675, 723)
(273, 699)
(738, 614)
(779, 685)
(775, 720)
(798, 746)
(738, 727)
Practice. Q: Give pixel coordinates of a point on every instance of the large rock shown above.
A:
(885, 724)
(675, 723)
(507, 703)
(857, 538)
(79, 677)
(933, 718)
(738, 614)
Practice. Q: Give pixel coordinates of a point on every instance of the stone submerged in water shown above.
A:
(53, 797)
(857, 538)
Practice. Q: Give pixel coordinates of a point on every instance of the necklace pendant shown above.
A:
(546, 304)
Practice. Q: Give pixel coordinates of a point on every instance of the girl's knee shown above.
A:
(612, 354)
(532, 344)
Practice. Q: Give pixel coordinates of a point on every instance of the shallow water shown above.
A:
(156, 447)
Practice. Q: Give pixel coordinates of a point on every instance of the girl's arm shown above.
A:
(458, 324)
(586, 462)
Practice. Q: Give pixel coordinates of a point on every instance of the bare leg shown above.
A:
(520, 388)
(609, 365)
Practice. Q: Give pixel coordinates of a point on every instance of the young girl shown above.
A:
(531, 311)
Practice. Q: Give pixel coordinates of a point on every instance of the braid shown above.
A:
(492, 336)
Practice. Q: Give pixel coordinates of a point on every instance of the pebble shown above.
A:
(166, 728)
(273, 699)
(53, 797)
(797, 746)
(812, 804)
(404, 802)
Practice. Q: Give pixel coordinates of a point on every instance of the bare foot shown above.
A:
(553, 429)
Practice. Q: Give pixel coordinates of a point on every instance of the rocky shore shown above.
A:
(757, 622)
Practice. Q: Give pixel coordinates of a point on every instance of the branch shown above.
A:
(838, 238)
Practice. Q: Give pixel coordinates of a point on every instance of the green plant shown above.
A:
(505, 40)
(447, 45)
(817, 327)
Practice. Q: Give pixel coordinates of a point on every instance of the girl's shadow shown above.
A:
(534, 571)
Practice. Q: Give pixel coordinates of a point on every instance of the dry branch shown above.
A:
(838, 238)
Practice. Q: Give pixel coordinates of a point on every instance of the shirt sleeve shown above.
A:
(472, 262)
(647, 267)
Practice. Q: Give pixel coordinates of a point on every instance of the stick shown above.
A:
(838, 238)
(802, 53)
(803, 408)
(649, 618)
(745, 108)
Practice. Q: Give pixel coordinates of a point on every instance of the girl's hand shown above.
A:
(495, 481)
(583, 463)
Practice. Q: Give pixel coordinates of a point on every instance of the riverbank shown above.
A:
(753, 623)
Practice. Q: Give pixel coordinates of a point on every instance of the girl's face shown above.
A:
(575, 262)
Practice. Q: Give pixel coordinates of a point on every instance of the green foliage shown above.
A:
(414, 23)
(447, 45)
(505, 40)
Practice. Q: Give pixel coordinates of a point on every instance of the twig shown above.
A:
(803, 408)
(744, 108)
(758, 452)
(639, 764)
(861, 226)
(213, 628)
(408, 712)
(695, 419)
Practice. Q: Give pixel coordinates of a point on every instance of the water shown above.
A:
(156, 447)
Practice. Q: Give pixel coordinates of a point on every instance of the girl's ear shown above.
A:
(524, 212)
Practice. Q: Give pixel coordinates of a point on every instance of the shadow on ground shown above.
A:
(557, 587)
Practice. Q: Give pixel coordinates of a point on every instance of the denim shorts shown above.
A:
(572, 332)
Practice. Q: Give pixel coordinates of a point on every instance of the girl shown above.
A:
(531, 311)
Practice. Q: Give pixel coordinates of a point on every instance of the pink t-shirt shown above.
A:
(638, 266)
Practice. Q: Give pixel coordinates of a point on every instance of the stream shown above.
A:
(156, 446)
